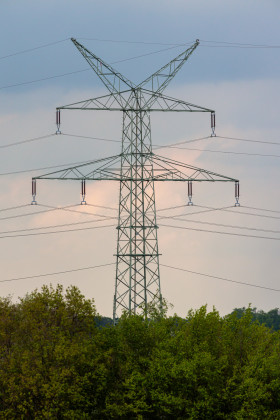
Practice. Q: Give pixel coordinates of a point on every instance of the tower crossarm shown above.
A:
(100, 169)
(112, 79)
(109, 169)
(159, 80)
(101, 103)
(166, 169)
(160, 103)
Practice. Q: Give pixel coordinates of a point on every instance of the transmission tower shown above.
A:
(136, 168)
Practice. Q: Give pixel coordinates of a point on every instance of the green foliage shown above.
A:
(271, 318)
(56, 362)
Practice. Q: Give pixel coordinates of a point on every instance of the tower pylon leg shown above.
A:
(137, 269)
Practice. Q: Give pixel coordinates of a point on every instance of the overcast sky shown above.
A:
(241, 82)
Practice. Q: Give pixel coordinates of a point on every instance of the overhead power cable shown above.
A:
(209, 209)
(34, 213)
(175, 44)
(91, 138)
(51, 209)
(179, 218)
(194, 212)
(102, 207)
(221, 233)
(162, 146)
(17, 143)
(55, 232)
(174, 145)
(223, 151)
(57, 273)
(104, 219)
(15, 207)
(238, 44)
(34, 48)
(68, 208)
(258, 208)
(247, 140)
(43, 168)
(223, 44)
(43, 79)
(236, 211)
(161, 224)
(246, 213)
(221, 278)
(179, 44)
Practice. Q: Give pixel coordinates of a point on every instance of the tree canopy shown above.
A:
(57, 363)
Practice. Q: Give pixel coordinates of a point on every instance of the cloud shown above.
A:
(245, 109)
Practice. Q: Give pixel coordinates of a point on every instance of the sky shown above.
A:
(235, 71)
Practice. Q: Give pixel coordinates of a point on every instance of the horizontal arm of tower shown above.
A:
(112, 79)
(167, 103)
(166, 169)
(157, 168)
(103, 103)
(101, 169)
(161, 103)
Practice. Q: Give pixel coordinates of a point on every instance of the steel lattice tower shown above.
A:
(136, 169)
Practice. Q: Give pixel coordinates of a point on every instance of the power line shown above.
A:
(224, 152)
(78, 211)
(43, 79)
(179, 44)
(50, 209)
(26, 141)
(57, 273)
(15, 207)
(217, 224)
(173, 45)
(102, 207)
(136, 42)
(242, 44)
(242, 212)
(35, 213)
(55, 232)
(104, 219)
(221, 278)
(221, 233)
(215, 137)
(91, 138)
(247, 140)
(43, 168)
(164, 225)
(158, 146)
(224, 209)
(34, 48)
(242, 47)
(258, 208)
(146, 54)
(252, 214)
(195, 212)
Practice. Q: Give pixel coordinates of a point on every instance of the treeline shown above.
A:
(56, 362)
(271, 318)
